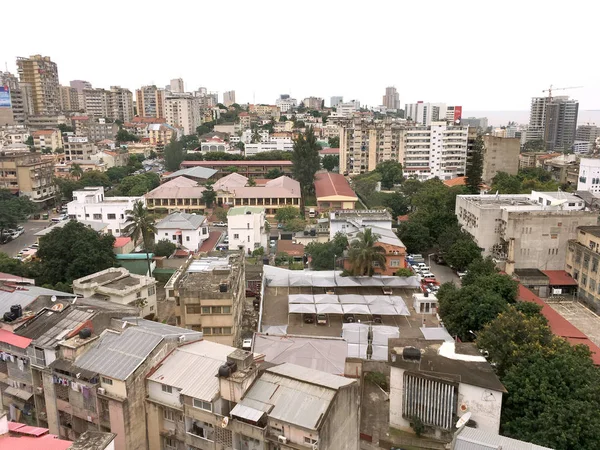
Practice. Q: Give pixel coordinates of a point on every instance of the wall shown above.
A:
(396, 395)
(485, 406)
(247, 226)
(155, 392)
(500, 155)
(342, 421)
(196, 237)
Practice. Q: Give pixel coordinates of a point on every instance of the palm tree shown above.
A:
(364, 252)
(141, 224)
(76, 171)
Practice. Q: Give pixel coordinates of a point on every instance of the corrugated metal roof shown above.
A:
(181, 221)
(475, 439)
(164, 330)
(119, 355)
(311, 376)
(26, 295)
(246, 412)
(193, 368)
(8, 337)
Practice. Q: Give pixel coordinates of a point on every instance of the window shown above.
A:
(174, 237)
(97, 216)
(170, 444)
(111, 216)
(206, 331)
(583, 280)
(167, 389)
(594, 264)
(236, 236)
(187, 238)
(226, 310)
(202, 405)
(206, 310)
(193, 309)
(151, 290)
(138, 295)
(394, 263)
(107, 381)
(308, 440)
(592, 285)
(168, 415)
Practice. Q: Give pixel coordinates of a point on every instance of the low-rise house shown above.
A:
(183, 230)
(291, 249)
(161, 134)
(117, 285)
(438, 381)
(123, 245)
(179, 194)
(191, 393)
(89, 204)
(395, 250)
(112, 158)
(352, 220)
(290, 406)
(47, 139)
(218, 145)
(246, 228)
(333, 192)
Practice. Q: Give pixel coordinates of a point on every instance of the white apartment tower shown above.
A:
(184, 112)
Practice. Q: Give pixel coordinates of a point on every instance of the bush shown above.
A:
(417, 425)
(164, 247)
(404, 272)
(258, 252)
(377, 378)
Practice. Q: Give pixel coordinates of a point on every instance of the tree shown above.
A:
(404, 272)
(74, 251)
(221, 214)
(324, 254)
(504, 183)
(125, 136)
(334, 141)
(537, 145)
(76, 171)
(462, 253)
(479, 269)
(415, 236)
(274, 173)
(209, 195)
(391, 174)
(365, 254)
(64, 128)
(94, 178)
(286, 214)
(164, 247)
(296, 224)
(30, 142)
(13, 210)
(554, 398)
(511, 336)
(397, 203)
(251, 182)
(365, 184)
(474, 170)
(66, 187)
(116, 174)
(174, 155)
(330, 162)
(466, 311)
(140, 225)
(306, 161)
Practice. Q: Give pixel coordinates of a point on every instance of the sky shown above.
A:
(483, 55)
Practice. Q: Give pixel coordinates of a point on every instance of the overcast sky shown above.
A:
(482, 55)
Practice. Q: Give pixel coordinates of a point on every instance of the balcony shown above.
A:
(198, 441)
(248, 430)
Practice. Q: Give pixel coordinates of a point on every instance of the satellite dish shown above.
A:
(57, 307)
(224, 422)
(463, 420)
(53, 298)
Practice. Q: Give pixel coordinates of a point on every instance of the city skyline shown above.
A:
(466, 69)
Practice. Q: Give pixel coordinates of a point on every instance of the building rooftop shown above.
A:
(24, 437)
(243, 210)
(476, 439)
(457, 362)
(93, 440)
(320, 353)
(236, 163)
(121, 241)
(8, 337)
(180, 187)
(193, 172)
(593, 230)
(231, 181)
(285, 246)
(192, 369)
(559, 278)
(361, 214)
(386, 236)
(96, 226)
(26, 295)
(181, 221)
(328, 184)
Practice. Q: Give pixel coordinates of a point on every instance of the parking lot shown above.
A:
(26, 239)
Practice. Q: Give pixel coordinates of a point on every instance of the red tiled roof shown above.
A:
(328, 184)
(138, 119)
(44, 132)
(330, 151)
(185, 164)
(559, 325)
(559, 278)
(403, 218)
(80, 118)
(121, 241)
(8, 337)
(290, 248)
(209, 244)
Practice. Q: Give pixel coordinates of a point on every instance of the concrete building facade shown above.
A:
(150, 101)
(554, 121)
(589, 175)
(29, 174)
(523, 231)
(183, 112)
(41, 74)
(246, 228)
(582, 262)
(500, 155)
(228, 98)
(183, 230)
(391, 99)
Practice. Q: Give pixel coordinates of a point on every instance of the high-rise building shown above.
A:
(183, 112)
(176, 86)
(96, 102)
(42, 74)
(69, 99)
(391, 99)
(313, 103)
(437, 150)
(553, 120)
(121, 104)
(285, 103)
(335, 100)
(80, 85)
(477, 122)
(426, 113)
(228, 98)
(588, 133)
(150, 102)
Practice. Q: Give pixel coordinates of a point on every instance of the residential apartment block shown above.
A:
(183, 112)
(78, 148)
(582, 263)
(29, 174)
(90, 204)
(47, 140)
(427, 113)
(150, 101)
(228, 98)
(209, 294)
(524, 231)
(246, 228)
(500, 155)
(391, 99)
(69, 99)
(553, 120)
(41, 74)
(96, 102)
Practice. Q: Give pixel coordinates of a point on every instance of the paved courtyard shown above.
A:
(583, 318)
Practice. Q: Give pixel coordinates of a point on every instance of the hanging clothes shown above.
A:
(75, 386)
(20, 364)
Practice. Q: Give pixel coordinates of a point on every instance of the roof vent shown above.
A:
(411, 354)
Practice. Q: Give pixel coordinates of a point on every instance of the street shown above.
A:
(26, 239)
(443, 274)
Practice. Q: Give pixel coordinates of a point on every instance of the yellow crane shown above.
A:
(550, 89)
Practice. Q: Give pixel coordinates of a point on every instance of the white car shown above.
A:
(247, 344)
(219, 224)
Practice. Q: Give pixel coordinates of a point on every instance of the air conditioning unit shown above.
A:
(181, 339)
(39, 389)
(282, 439)
(101, 391)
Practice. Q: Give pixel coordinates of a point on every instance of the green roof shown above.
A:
(241, 210)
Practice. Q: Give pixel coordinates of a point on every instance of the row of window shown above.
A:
(197, 309)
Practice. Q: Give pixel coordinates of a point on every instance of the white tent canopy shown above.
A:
(323, 281)
(300, 278)
(382, 310)
(371, 281)
(357, 350)
(380, 353)
(400, 305)
(326, 298)
(382, 333)
(378, 300)
(347, 281)
(356, 309)
(353, 299)
(300, 298)
(275, 330)
(302, 308)
(355, 332)
(410, 282)
(328, 308)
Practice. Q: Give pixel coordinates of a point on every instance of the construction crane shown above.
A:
(550, 89)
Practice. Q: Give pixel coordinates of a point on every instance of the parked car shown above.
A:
(308, 318)
(272, 242)
(377, 318)
(428, 275)
(36, 245)
(223, 247)
(349, 318)
(321, 319)
(247, 344)
(226, 239)
(461, 274)
(219, 224)
(387, 290)
(280, 226)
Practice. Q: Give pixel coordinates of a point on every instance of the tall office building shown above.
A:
(391, 99)
(150, 101)
(176, 86)
(228, 98)
(20, 98)
(553, 120)
(335, 100)
(588, 133)
(42, 75)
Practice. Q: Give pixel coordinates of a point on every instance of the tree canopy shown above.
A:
(164, 247)
(323, 253)
(209, 195)
(140, 224)
(174, 154)
(306, 160)
(286, 213)
(330, 162)
(391, 173)
(13, 209)
(365, 254)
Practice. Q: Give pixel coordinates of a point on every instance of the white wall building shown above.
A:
(253, 149)
(183, 112)
(216, 144)
(425, 113)
(437, 381)
(246, 228)
(89, 204)
(352, 220)
(589, 175)
(183, 230)
(286, 104)
(346, 109)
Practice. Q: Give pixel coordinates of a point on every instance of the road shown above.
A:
(26, 239)
(443, 274)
